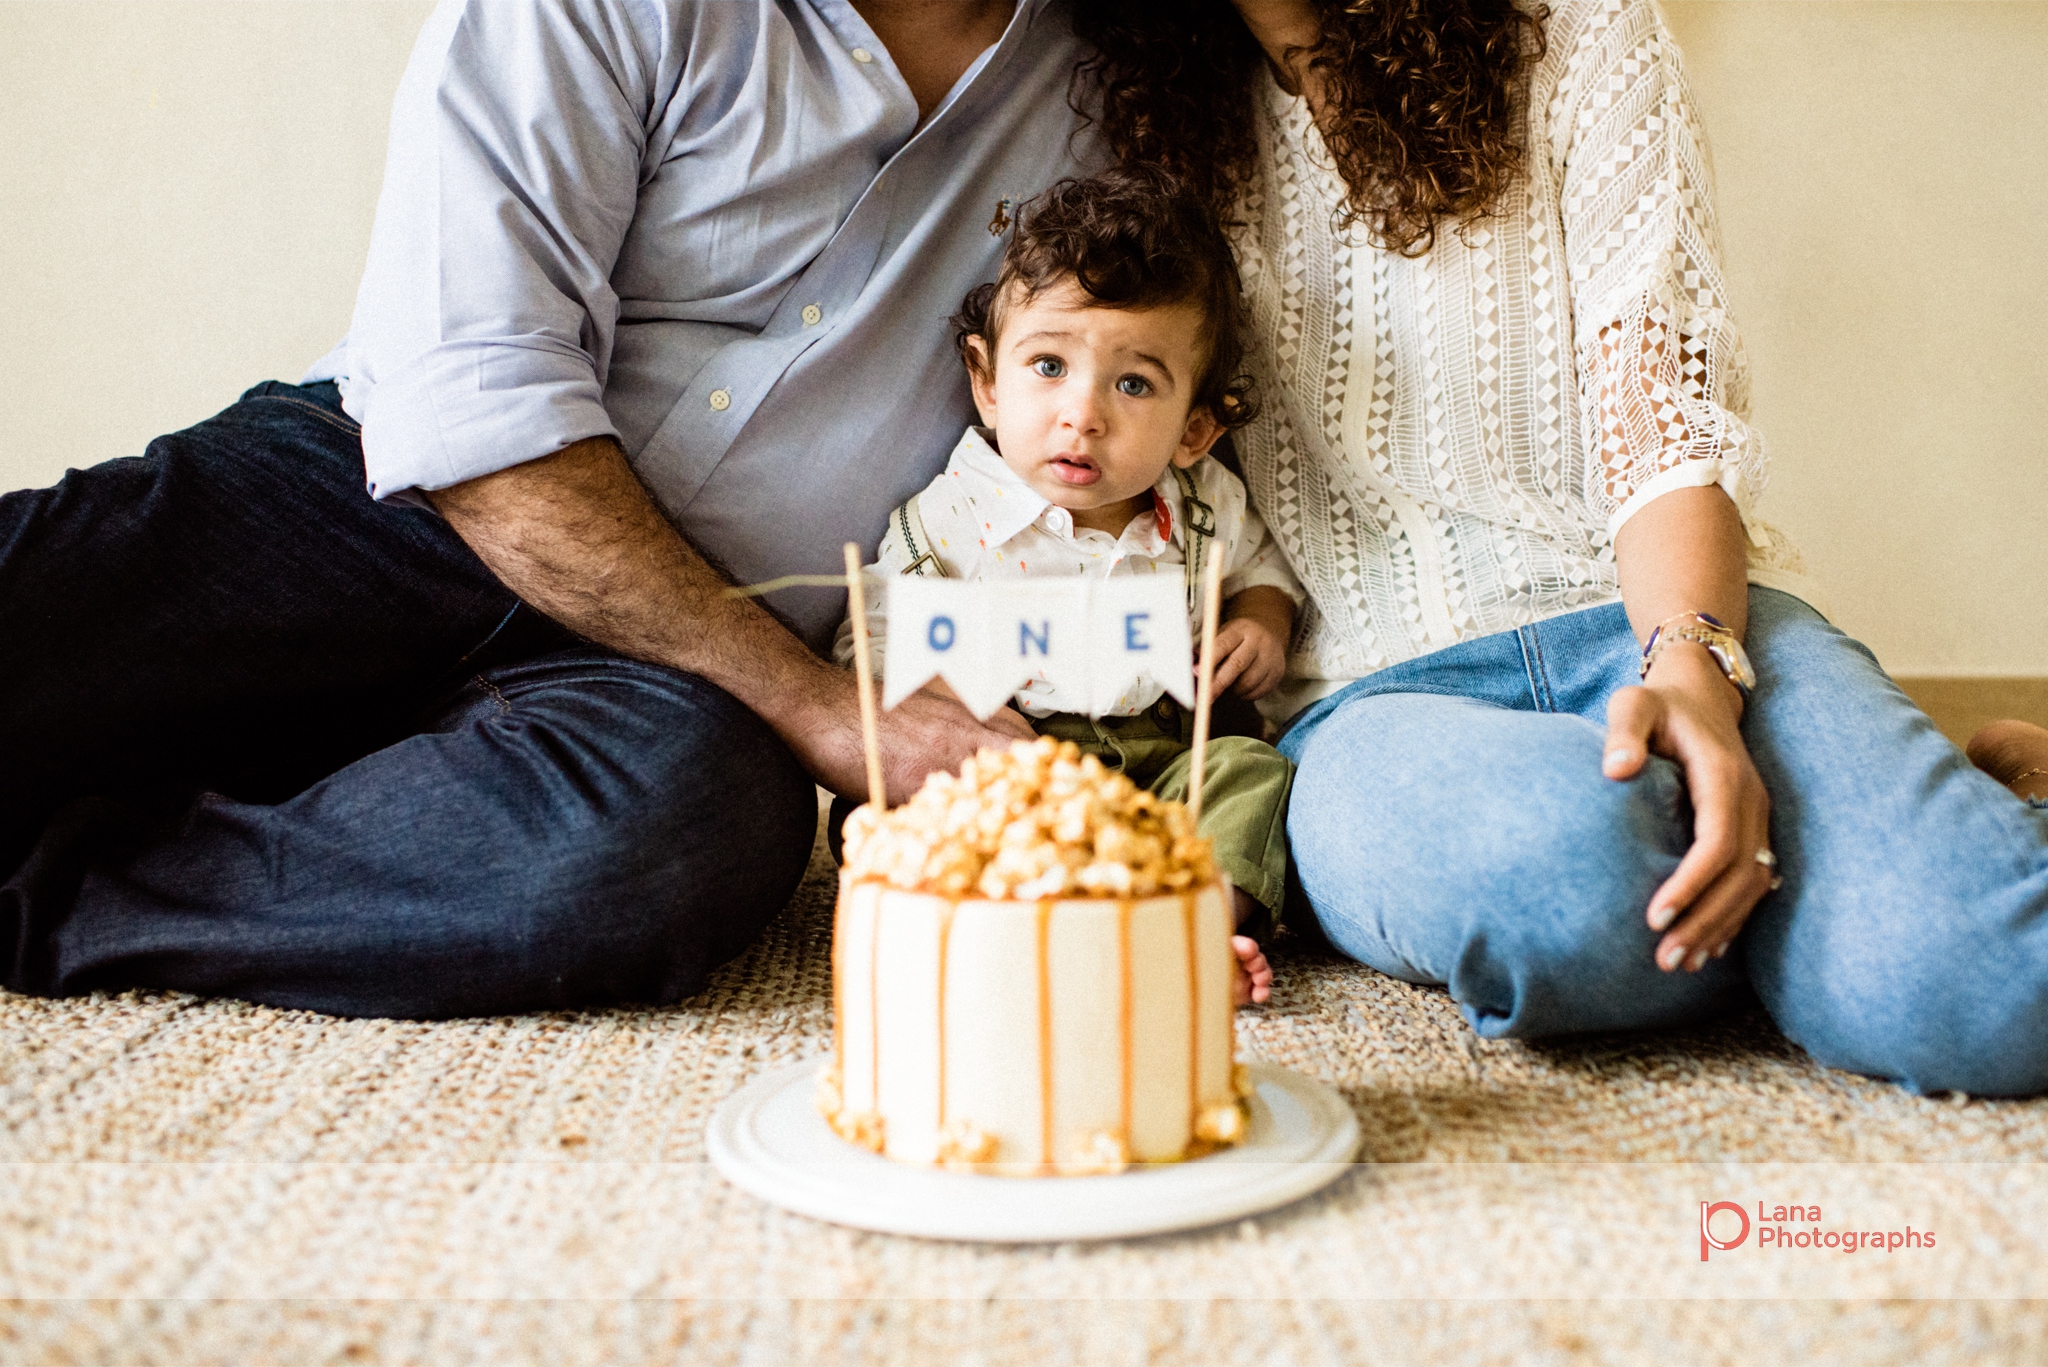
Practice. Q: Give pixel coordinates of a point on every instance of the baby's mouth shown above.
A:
(1076, 470)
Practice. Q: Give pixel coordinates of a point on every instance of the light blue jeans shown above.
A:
(1450, 824)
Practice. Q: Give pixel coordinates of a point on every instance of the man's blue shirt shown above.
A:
(711, 228)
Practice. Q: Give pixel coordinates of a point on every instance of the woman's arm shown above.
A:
(1684, 552)
(1664, 381)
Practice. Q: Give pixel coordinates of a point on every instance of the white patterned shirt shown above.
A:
(1450, 442)
(985, 522)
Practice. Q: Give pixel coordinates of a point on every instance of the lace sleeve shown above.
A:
(1661, 369)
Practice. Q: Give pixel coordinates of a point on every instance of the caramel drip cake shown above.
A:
(1031, 973)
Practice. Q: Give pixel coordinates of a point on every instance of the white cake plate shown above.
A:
(768, 1139)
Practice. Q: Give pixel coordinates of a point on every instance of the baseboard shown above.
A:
(1960, 705)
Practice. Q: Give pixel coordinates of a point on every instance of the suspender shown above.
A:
(1201, 528)
(914, 539)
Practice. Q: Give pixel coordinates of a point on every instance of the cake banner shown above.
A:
(1091, 638)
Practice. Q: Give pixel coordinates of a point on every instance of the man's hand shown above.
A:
(577, 537)
(931, 729)
(1251, 644)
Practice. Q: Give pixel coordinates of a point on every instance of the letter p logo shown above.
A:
(1707, 1239)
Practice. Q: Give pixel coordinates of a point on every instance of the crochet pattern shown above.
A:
(1451, 442)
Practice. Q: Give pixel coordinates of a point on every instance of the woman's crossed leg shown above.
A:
(1473, 842)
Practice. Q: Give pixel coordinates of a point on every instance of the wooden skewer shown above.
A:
(1205, 684)
(864, 675)
(787, 581)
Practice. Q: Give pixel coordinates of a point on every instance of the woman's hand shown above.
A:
(1688, 712)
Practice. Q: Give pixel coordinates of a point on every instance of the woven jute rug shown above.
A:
(186, 1181)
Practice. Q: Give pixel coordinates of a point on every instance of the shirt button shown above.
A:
(721, 399)
(863, 56)
(812, 313)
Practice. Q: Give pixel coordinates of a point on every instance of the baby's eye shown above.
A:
(1051, 367)
(1136, 386)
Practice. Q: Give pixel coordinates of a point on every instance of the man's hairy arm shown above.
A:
(576, 536)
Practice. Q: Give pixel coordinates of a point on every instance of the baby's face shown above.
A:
(1090, 404)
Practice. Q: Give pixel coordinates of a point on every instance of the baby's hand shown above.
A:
(1252, 978)
(1251, 657)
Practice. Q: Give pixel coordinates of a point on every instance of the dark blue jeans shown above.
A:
(263, 737)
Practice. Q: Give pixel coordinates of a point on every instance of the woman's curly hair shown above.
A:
(1133, 237)
(1421, 112)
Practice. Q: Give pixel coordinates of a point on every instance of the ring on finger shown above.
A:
(1770, 861)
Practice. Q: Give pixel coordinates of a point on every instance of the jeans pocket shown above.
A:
(320, 401)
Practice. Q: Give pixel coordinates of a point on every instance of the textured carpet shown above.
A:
(186, 1181)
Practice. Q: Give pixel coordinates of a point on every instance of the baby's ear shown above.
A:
(1197, 437)
(981, 377)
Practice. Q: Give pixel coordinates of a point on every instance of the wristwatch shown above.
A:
(1721, 644)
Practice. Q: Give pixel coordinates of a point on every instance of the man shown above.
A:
(655, 291)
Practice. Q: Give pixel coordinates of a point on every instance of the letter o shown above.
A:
(931, 635)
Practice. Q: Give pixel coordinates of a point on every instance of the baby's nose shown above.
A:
(1083, 412)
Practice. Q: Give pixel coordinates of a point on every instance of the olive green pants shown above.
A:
(1244, 785)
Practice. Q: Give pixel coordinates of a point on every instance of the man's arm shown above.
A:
(576, 536)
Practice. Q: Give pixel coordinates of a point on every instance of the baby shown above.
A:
(1104, 363)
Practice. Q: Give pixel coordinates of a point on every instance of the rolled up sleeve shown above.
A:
(1662, 371)
(483, 331)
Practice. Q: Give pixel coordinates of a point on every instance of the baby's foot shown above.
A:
(1252, 977)
(2015, 753)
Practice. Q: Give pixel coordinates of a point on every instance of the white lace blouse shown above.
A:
(1450, 442)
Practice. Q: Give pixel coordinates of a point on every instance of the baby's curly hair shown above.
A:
(1131, 238)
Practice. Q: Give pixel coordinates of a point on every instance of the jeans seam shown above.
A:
(495, 633)
(1532, 665)
(504, 703)
(354, 429)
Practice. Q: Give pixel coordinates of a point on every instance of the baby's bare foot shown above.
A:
(2015, 753)
(1252, 977)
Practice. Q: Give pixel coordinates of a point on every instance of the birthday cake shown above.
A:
(1031, 975)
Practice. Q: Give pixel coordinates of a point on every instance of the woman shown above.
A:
(1505, 447)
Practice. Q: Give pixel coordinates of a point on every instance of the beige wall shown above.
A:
(1883, 175)
(186, 191)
